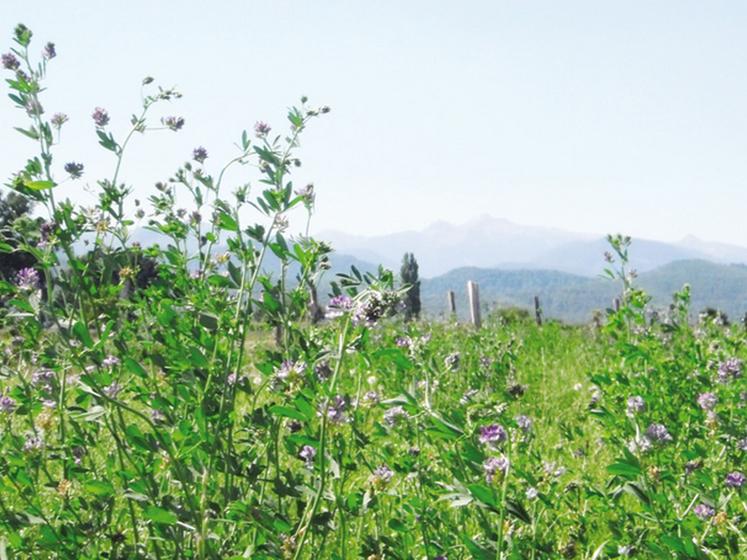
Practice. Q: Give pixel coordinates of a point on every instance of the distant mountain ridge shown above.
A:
(488, 242)
(574, 298)
(485, 241)
(513, 263)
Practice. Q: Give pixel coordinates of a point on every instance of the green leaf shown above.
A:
(99, 488)
(39, 185)
(476, 550)
(483, 494)
(397, 525)
(198, 359)
(518, 511)
(135, 368)
(160, 515)
(227, 223)
(624, 470)
(81, 332)
(288, 412)
(107, 141)
(31, 132)
(638, 492)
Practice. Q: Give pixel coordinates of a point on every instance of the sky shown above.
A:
(592, 116)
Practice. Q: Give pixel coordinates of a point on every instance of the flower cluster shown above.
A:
(636, 405)
(394, 416)
(27, 279)
(173, 123)
(729, 370)
(492, 434)
(495, 467)
(100, 117)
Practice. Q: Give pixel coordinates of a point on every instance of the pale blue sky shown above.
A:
(587, 115)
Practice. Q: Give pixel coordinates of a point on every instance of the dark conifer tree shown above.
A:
(409, 275)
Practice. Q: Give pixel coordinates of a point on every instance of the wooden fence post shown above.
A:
(616, 304)
(537, 311)
(452, 302)
(473, 291)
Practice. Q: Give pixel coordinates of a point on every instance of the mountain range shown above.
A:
(512, 263)
(488, 242)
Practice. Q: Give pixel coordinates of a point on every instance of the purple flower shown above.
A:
(173, 123)
(112, 390)
(157, 416)
(323, 371)
(492, 433)
(640, 444)
(337, 408)
(658, 433)
(551, 468)
(100, 117)
(306, 192)
(43, 378)
(49, 51)
(394, 416)
(524, 422)
(33, 444)
(703, 511)
(288, 372)
(403, 342)
(58, 119)
(307, 454)
(75, 170)
(46, 229)
(110, 361)
(707, 401)
(493, 466)
(261, 129)
(199, 154)
(27, 279)
(382, 475)
(373, 307)
(7, 404)
(372, 397)
(10, 62)
(338, 306)
(735, 479)
(636, 405)
(729, 369)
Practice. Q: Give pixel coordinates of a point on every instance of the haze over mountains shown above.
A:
(488, 242)
(513, 263)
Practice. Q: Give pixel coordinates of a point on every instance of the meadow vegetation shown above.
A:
(183, 401)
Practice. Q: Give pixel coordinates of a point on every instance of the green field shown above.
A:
(184, 400)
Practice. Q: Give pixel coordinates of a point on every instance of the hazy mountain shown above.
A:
(483, 242)
(574, 298)
(563, 296)
(488, 242)
(587, 257)
(720, 252)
